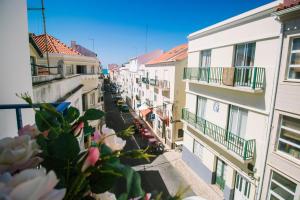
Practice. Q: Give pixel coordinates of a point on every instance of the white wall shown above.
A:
(15, 70)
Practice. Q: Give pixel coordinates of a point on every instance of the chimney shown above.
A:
(73, 44)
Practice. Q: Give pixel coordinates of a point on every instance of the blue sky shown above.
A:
(118, 27)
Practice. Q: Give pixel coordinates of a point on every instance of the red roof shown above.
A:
(288, 4)
(54, 45)
(176, 54)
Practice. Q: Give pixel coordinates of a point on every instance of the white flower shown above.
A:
(17, 153)
(33, 184)
(106, 196)
(114, 142)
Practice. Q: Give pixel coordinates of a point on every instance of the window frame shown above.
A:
(290, 52)
(270, 191)
(278, 139)
(244, 54)
(208, 55)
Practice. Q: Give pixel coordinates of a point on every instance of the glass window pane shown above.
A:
(284, 181)
(250, 54)
(272, 197)
(295, 59)
(205, 58)
(296, 44)
(291, 122)
(239, 55)
(281, 192)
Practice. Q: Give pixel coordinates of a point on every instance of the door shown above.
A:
(242, 188)
(244, 61)
(220, 173)
(237, 121)
(204, 65)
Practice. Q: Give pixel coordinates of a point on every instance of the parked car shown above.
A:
(124, 108)
(120, 102)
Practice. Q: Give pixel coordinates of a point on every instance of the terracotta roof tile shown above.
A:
(288, 4)
(176, 54)
(54, 45)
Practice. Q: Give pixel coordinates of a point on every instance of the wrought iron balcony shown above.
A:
(161, 113)
(243, 148)
(145, 80)
(250, 77)
(164, 84)
(153, 82)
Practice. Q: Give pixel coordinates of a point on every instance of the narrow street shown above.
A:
(158, 175)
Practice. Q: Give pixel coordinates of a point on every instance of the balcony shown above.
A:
(153, 82)
(241, 78)
(145, 80)
(161, 113)
(245, 149)
(164, 85)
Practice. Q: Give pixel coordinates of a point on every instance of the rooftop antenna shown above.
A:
(45, 30)
(146, 42)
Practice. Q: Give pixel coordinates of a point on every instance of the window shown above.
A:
(294, 64)
(155, 97)
(69, 69)
(281, 188)
(198, 149)
(92, 99)
(180, 133)
(237, 120)
(244, 55)
(93, 70)
(289, 138)
(205, 58)
(201, 105)
(33, 66)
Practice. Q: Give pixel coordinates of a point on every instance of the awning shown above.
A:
(146, 112)
(143, 107)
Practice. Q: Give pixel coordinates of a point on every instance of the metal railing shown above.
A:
(153, 82)
(60, 107)
(164, 84)
(145, 80)
(221, 182)
(251, 77)
(243, 148)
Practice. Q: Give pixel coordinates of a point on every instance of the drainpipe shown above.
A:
(272, 108)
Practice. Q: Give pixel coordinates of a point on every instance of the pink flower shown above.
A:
(78, 128)
(30, 130)
(91, 159)
(96, 136)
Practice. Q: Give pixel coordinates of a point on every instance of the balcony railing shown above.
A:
(161, 113)
(153, 82)
(243, 148)
(145, 80)
(165, 85)
(251, 77)
(60, 107)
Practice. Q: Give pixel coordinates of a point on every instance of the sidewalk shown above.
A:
(198, 186)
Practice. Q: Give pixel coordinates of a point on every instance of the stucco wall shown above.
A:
(15, 71)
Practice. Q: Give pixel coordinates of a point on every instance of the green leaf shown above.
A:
(88, 130)
(136, 189)
(44, 120)
(64, 147)
(42, 142)
(123, 196)
(72, 114)
(101, 182)
(93, 114)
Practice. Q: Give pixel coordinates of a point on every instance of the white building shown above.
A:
(282, 172)
(164, 94)
(229, 84)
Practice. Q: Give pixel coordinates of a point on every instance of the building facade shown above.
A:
(164, 96)
(229, 86)
(282, 172)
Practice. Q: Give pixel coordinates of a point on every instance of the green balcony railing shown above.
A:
(243, 148)
(251, 77)
(221, 182)
(153, 82)
(145, 80)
